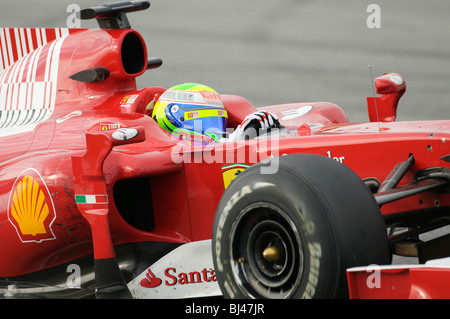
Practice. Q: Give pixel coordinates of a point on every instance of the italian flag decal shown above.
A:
(91, 199)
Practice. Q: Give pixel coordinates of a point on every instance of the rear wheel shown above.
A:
(294, 233)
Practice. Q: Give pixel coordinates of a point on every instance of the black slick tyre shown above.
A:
(293, 234)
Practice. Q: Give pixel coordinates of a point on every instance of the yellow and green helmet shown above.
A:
(192, 111)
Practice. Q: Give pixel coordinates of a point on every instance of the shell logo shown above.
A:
(30, 209)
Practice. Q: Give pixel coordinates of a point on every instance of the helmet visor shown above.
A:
(201, 119)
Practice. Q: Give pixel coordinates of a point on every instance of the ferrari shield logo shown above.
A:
(30, 208)
(230, 172)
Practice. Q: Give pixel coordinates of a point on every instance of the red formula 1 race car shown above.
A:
(97, 199)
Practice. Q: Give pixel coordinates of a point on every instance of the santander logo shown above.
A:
(150, 280)
(172, 278)
(185, 272)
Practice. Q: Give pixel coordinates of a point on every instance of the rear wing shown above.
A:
(16, 43)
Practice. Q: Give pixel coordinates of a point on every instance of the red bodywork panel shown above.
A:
(60, 161)
(402, 282)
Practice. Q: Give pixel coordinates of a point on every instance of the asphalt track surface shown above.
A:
(283, 51)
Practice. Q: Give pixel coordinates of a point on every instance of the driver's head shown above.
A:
(192, 111)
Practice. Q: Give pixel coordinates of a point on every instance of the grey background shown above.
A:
(283, 51)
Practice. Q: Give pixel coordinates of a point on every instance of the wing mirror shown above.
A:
(389, 83)
(383, 108)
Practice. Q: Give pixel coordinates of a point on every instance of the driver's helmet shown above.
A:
(193, 112)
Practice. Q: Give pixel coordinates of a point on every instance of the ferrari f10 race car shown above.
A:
(98, 200)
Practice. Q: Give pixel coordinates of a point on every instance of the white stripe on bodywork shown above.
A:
(23, 105)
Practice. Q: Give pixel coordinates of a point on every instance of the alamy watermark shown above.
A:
(264, 149)
(373, 21)
(72, 20)
(74, 279)
(374, 279)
